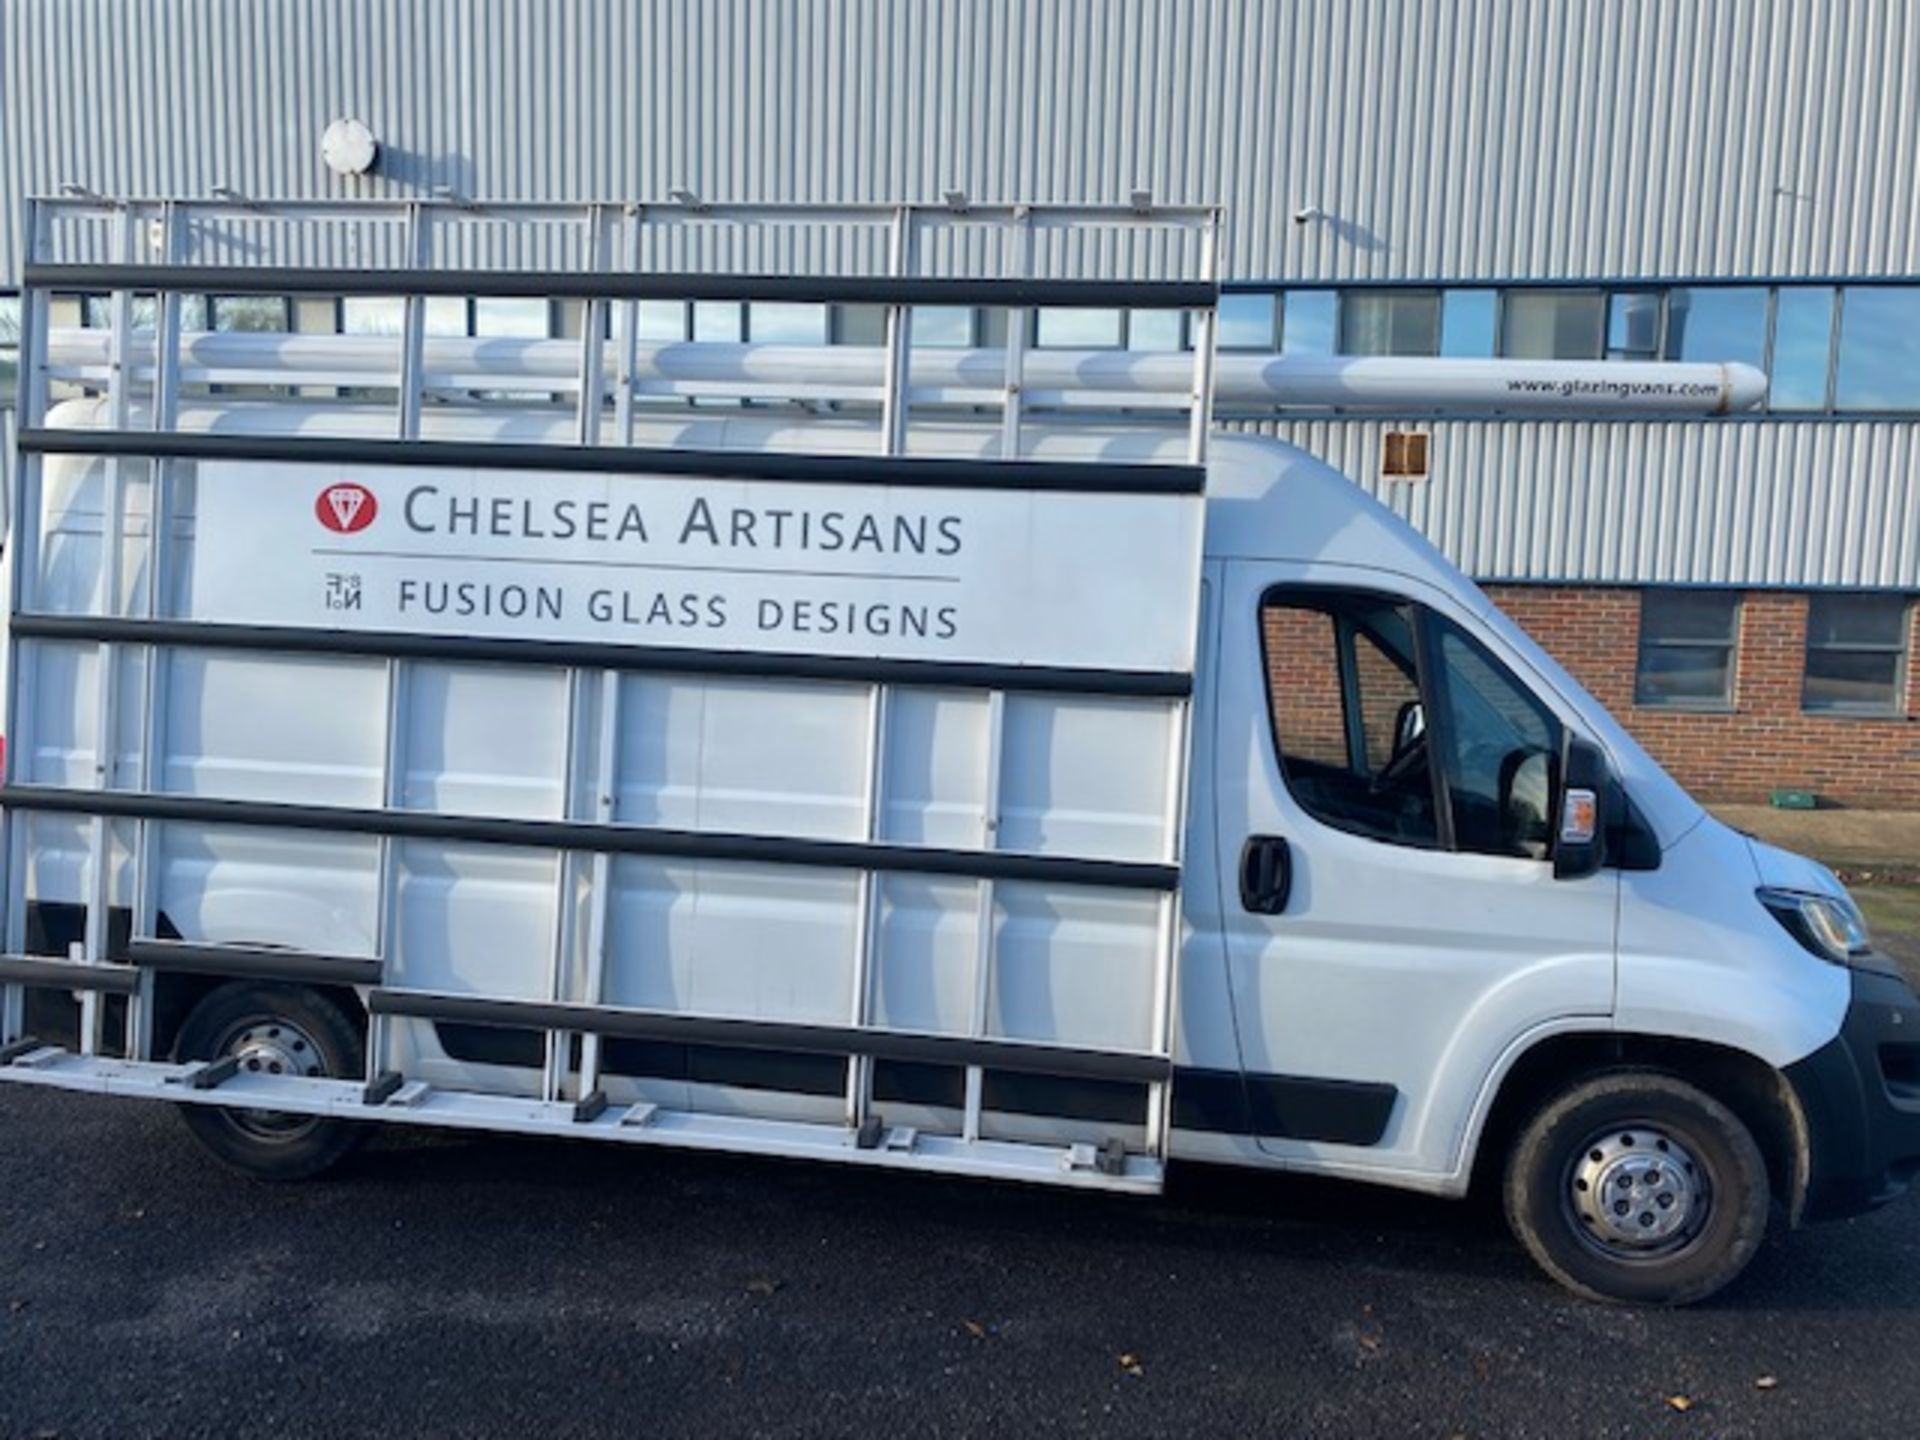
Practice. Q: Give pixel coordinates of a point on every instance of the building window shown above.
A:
(513, 316)
(1245, 322)
(96, 313)
(781, 322)
(1801, 364)
(252, 313)
(1390, 322)
(659, 322)
(387, 315)
(1077, 329)
(1469, 322)
(858, 324)
(1552, 324)
(945, 327)
(1718, 323)
(1633, 324)
(1879, 363)
(1157, 330)
(1308, 322)
(1856, 653)
(1688, 642)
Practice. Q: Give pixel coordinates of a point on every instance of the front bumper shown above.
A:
(1860, 1094)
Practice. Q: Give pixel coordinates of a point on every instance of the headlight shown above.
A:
(1831, 926)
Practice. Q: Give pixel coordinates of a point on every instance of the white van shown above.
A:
(1020, 795)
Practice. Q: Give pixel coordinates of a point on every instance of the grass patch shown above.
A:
(1893, 915)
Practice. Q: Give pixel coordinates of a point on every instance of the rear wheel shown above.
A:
(1638, 1187)
(272, 1030)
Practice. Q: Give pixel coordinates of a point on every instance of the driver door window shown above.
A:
(1342, 680)
(1393, 723)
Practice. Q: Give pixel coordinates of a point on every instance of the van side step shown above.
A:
(899, 1148)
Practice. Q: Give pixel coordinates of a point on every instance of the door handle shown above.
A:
(1266, 874)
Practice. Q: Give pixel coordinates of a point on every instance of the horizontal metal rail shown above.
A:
(44, 970)
(813, 468)
(914, 1046)
(638, 659)
(253, 963)
(692, 845)
(608, 285)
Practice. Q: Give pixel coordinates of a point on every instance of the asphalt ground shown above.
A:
(487, 1285)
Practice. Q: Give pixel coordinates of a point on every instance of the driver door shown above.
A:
(1396, 770)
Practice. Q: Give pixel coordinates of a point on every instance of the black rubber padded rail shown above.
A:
(400, 645)
(68, 974)
(212, 1074)
(590, 1106)
(1012, 1055)
(639, 285)
(599, 839)
(20, 1048)
(921, 472)
(251, 963)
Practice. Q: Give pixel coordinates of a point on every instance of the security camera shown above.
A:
(1306, 213)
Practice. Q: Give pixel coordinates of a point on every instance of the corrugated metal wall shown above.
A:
(1815, 503)
(1447, 139)
(1441, 137)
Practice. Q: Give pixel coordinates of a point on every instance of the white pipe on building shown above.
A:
(1087, 377)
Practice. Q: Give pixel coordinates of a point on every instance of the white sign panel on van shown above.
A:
(1012, 577)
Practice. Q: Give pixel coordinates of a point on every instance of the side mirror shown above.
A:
(1580, 826)
(1409, 724)
(1526, 801)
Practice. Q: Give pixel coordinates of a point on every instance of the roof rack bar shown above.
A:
(930, 472)
(652, 285)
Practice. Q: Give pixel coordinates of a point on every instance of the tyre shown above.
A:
(275, 1029)
(1640, 1188)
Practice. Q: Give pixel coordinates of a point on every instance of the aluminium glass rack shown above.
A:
(610, 259)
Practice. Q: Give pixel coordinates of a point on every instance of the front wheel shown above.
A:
(274, 1030)
(1638, 1187)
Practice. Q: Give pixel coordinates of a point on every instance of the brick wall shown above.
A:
(1767, 742)
(1303, 680)
(1303, 684)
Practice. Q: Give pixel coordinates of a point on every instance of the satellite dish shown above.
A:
(349, 148)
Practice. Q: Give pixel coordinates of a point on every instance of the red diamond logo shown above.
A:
(346, 507)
